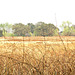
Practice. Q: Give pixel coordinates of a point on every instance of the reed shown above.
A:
(39, 57)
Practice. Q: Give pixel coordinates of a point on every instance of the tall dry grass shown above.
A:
(40, 58)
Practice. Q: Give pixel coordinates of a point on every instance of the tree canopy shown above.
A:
(43, 29)
(38, 29)
(1, 33)
(20, 29)
(5, 27)
(68, 29)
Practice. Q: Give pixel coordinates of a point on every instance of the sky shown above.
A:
(33, 11)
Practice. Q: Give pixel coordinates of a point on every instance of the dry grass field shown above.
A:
(37, 55)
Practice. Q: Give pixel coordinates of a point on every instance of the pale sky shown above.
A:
(33, 11)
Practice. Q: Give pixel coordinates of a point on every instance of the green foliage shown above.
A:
(1, 33)
(39, 29)
(72, 31)
(9, 34)
(68, 30)
(20, 29)
(32, 27)
(56, 32)
(5, 27)
(43, 29)
(4, 33)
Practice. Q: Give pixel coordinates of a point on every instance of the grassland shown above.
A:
(37, 55)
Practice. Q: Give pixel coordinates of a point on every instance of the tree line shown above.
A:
(38, 29)
(68, 28)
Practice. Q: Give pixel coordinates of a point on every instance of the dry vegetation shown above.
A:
(39, 58)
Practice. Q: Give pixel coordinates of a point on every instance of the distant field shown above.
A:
(39, 38)
(37, 55)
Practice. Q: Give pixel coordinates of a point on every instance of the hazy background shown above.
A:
(32, 11)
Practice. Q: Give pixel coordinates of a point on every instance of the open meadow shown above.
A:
(37, 55)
